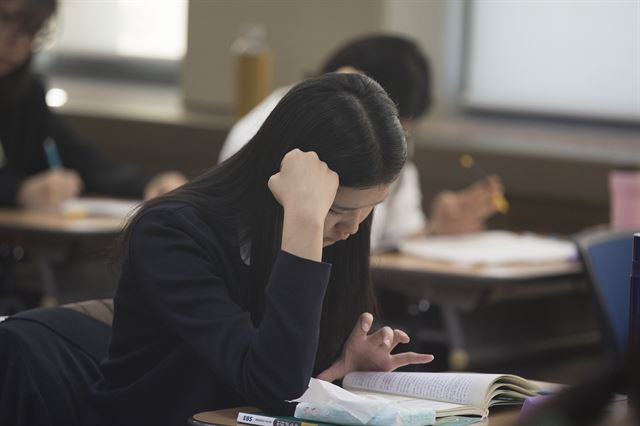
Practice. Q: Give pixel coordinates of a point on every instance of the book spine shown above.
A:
(260, 420)
(255, 419)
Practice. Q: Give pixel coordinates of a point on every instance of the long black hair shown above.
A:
(353, 126)
(396, 63)
(32, 16)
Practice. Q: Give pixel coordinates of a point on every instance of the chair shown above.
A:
(606, 255)
(49, 357)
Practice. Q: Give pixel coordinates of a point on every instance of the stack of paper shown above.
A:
(492, 247)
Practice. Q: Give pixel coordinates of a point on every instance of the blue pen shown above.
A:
(53, 157)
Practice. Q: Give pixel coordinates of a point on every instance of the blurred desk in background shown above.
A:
(48, 237)
(491, 314)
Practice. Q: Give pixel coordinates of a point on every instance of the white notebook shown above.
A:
(97, 207)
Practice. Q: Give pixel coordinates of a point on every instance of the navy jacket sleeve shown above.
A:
(180, 278)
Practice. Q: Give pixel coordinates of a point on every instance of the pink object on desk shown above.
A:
(624, 192)
(531, 404)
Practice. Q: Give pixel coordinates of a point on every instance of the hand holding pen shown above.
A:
(49, 189)
(466, 210)
(501, 203)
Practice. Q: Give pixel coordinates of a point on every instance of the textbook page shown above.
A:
(442, 409)
(491, 248)
(454, 388)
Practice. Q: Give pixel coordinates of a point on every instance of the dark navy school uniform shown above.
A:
(182, 343)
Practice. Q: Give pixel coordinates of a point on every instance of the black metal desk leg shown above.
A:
(458, 356)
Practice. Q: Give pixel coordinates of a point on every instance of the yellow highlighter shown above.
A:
(468, 162)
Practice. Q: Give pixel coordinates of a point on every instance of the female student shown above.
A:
(27, 178)
(404, 72)
(241, 285)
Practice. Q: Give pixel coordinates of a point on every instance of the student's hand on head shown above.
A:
(47, 190)
(163, 183)
(305, 187)
(372, 352)
(465, 210)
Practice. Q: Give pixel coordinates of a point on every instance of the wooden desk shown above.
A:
(462, 289)
(37, 225)
(228, 418)
(509, 271)
(48, 236)
(617, 416)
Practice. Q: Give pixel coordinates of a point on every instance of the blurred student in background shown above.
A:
(403, 71)
(27, 178)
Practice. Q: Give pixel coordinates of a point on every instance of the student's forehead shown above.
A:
(348, 197)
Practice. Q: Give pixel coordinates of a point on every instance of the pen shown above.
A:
(468, 162)
(51, 151)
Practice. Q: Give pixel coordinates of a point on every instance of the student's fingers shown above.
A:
(162, 183)
(274, 184)
(75, 183)
(399, 336)
(484, 208)
(446, 205)
(473, 195)
(406, 358)
(495, 184)
(383, 337)
(305, 185)
(64, 185)
(477, 205)
(362, 326)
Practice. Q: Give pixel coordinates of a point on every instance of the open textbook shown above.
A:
(447, 393)
(373, 398)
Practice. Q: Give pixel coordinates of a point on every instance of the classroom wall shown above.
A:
(558, 187)
(319, 27)
(300, 34)
(545, 194)
(437, 28)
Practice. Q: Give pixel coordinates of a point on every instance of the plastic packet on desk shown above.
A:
(326, 402)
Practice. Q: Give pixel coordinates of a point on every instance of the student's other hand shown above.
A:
(47, 190)
(466, 210)
(305, 187)
(372, 352)
(163, 183)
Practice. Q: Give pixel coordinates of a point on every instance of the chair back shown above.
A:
(607, 260)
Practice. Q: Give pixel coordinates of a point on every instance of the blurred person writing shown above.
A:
(28, 178)
(404, 72)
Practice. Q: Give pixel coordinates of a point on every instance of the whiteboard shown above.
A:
(577, 58)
